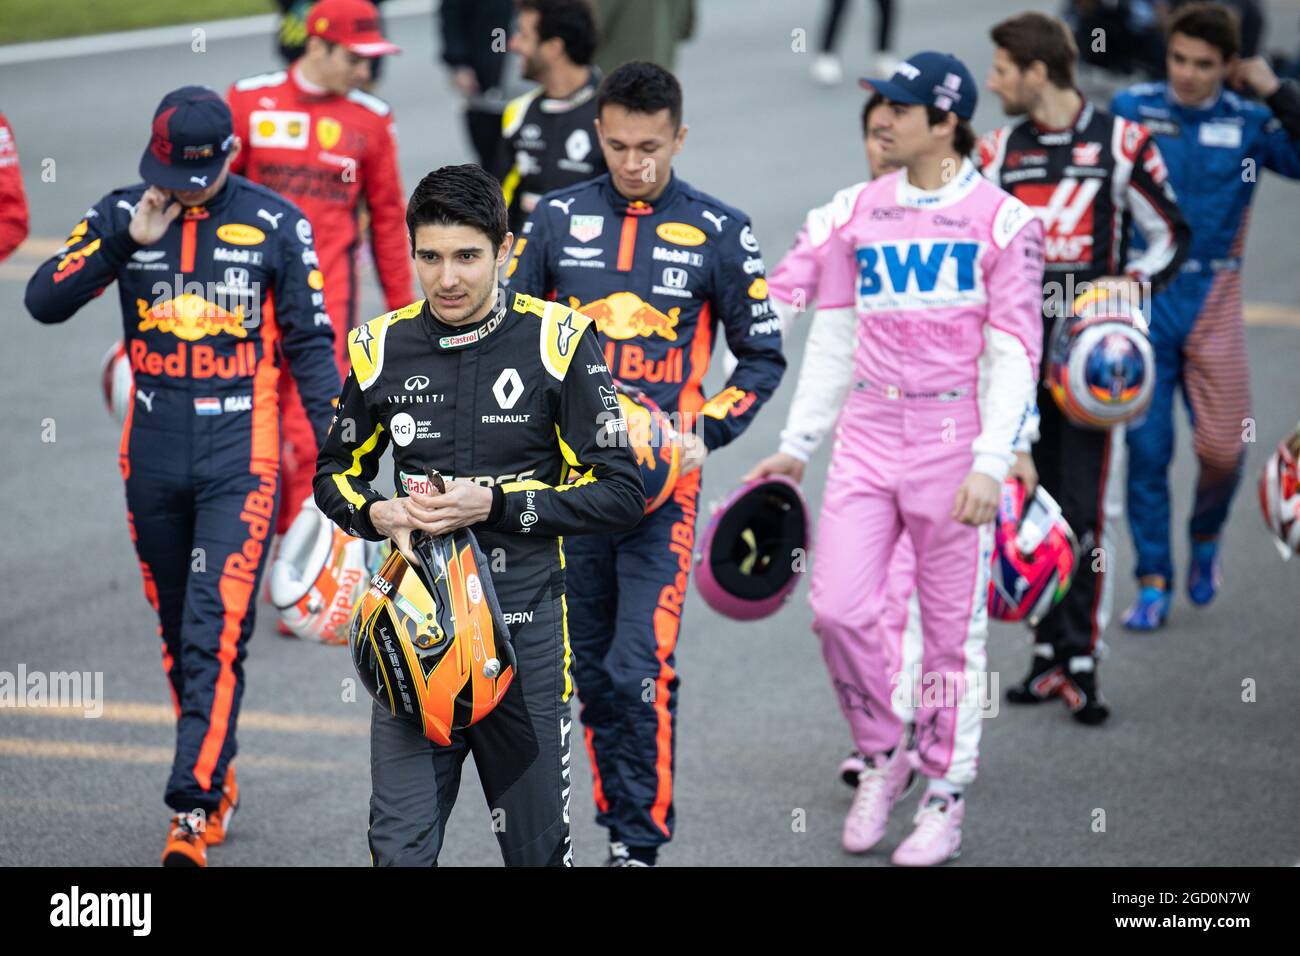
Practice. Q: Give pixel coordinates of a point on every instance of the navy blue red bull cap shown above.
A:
(930, 79)
(192, 135)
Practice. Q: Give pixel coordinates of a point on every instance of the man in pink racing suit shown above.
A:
(929, 322)
(794, 286)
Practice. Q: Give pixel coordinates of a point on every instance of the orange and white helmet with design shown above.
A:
(318, 576)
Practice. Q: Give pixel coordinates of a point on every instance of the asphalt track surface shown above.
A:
(1186, 772)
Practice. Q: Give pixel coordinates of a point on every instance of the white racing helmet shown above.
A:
(117, 381)
(319, 575)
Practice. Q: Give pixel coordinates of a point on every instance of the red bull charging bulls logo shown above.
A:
(191, 317)
(624, 315)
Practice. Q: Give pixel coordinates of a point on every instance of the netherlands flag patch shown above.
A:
(207, 406)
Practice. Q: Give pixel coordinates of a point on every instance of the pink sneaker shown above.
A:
(880, 783)
(937, 837)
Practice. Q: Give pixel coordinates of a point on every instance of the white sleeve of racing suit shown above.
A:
(1007, 403)
(1029, 432)
(1013, 339)
(824, 381)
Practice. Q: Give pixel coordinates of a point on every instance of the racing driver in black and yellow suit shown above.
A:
(508, 395)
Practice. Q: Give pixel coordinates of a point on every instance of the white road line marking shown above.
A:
(38, 248)
(161, 756)
(135, 712)
(1267, 313)
(63, 806)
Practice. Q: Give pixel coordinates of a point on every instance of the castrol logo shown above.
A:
(417, 484)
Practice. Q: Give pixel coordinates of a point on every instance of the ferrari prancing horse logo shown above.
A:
(328, 132)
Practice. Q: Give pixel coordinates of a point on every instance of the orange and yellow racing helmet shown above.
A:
(430, 643)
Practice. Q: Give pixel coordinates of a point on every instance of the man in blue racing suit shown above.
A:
(1214, 141)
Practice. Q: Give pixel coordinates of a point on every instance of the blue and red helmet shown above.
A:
(1102, 370)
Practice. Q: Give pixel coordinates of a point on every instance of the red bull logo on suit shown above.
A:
(625, 315)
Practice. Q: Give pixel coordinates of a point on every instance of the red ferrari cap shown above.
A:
(350, 23)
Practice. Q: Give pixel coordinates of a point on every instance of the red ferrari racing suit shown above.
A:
(13, 201)
(324, 153)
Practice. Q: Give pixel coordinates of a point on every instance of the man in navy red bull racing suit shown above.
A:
(658, 265)
(200, 450)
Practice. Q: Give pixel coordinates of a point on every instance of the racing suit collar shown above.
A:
(562, 104)
(218, 202)
(449, 337)
(304, 85)
(1079, 124)
(953, 191)
(620, 203)
(1204, 106)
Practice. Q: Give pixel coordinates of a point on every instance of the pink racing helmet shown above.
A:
(1034, 555)
(748, 560)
